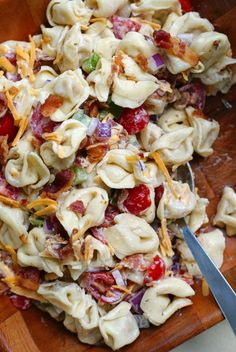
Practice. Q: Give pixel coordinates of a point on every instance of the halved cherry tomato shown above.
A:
(155, 271)
(7, 127)
(186, 5)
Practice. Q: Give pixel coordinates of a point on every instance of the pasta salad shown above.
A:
(97, 112)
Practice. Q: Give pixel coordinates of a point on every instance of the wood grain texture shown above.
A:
(212, 174)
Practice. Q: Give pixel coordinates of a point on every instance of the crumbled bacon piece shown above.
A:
(122, 25)
(91, 107)
(20, 302)
(28, 278)
(40, 124)
(193, 94)
(51, 104)
(62, 183)
(57, 247)
(175, 46)
(97, 151)
(3, 103)
(135, 262)
(142, 62)
(4, 149)
(8, 190)
(78, 207)
(97, 284)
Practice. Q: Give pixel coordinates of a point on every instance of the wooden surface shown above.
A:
(34, 331)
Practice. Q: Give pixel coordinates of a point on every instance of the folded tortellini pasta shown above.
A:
(213, 243)
(205, 132)
(174, 144)
(25, 167)
(102, 8)
(134, 44)
(95, 201)
(68, 12)
(29, 253)
(106, 47)
(76, 47)
(13, 225)
(67, 296)
(44, 76)
(190, 23)
(131, 235)
(132, 87)
(52, 39)
(100, 80)
(115, 169)
(157, 9)
(72, 88)
(177, 206)
(119, 327)
(226, 211)
(198, 217)
(66, 139)
(156, 303)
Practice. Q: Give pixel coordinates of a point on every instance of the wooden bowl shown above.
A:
(34, 331)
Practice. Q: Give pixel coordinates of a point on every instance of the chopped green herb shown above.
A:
(80, 175)
(114, 109)
(90, 64)
(36, 221)
(114, 197)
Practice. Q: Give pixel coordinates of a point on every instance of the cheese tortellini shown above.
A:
(204, 134)
(52, 39)
(68, 12)
(102, 8)
(100, 80)
(95, 201)
(156, 9)
(156, 303)
(119, 327)
(198, 217)
(29, 254)
(13, 225)
(226, 211)
(213, 243)
(115, 169)
(132, 87)
(72, 88)
(67, 296)
(131, 235)
(25, 167)
(65, 139)
(176, 206)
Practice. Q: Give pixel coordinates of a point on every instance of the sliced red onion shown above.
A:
(155, 63)
(142, 322)
(118, 277)
(114, 298)
(141, 165)
(135, 301)
(186, 37)
(104, 129)
(21, 302)
(92, 126)
(48, 226)
(13, 77)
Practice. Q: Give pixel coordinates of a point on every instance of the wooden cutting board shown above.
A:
(34, 331)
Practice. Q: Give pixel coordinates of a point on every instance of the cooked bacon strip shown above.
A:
(4, 149)
(97, 151)
(28, 278)
(62, 183)
(51, 104)
(135, 262)
(97, 284)
(176, 47)
(40, 124)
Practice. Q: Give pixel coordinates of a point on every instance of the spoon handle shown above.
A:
(220, 288)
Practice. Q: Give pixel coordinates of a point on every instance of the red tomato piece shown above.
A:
(186, 5)
(122, 25)
(7, 127)
(158, 194)
(155, 271)
(138, 199)
(134, 120)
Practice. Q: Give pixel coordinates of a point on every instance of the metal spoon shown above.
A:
(220, 288)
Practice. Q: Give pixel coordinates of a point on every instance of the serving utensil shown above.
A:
(220, 288)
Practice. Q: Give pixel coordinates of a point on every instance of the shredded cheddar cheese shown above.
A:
(49, 206)
(52, 137)
(165, 242)
(11, 107)
(1, 74)
(22, 53)
(88, 252)
(141, 21)
(22, 128)
(205, 288)
(121, 288)
(99, 19)
(7, 65)
(11, 202)
(32, 59)
(162, 167)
